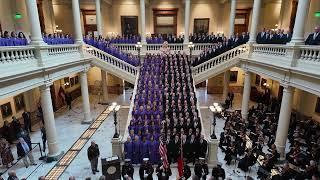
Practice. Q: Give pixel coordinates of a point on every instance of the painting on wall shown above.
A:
(257, 82)
(66, 82)
(72, 81)
(19, 102)
(6, 110)
(76, 80)
(201, 25)
(263, 81)
(129, 25)
(233, 76)
(317, 110)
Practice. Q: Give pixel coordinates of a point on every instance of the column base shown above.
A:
(213, 152)
(117, 147)
(244, 116)
(87, 121)
(281, 150)
(54, 157)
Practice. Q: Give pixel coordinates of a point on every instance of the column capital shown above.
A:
(46, 85)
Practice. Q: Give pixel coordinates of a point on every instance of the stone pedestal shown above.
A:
(117, 147)
(213, 152)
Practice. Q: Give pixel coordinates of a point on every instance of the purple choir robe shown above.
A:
(154, 152)
(128, 149)
(136, 159)
(145, 149)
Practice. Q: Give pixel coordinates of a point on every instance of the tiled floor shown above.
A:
(69, 128)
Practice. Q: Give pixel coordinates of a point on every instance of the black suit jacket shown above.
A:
(311, 41)
(20, 150)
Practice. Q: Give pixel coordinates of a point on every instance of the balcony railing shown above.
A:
(21, 59)
(223, 58)
(154, 48)
(111, 59)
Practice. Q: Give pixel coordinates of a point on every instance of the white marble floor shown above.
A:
(69, 128)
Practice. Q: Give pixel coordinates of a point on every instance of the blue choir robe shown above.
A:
(128, 149)
(154, 152)
(145, 149)
(136, 159)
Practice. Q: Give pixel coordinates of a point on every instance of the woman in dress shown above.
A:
(5, 152)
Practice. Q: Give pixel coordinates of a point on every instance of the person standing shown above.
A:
(15, 125)
(162, 172)
(6, 154)
(68, 100)
(27, 120)
(44, 138)
(93, 154)
(24, 150)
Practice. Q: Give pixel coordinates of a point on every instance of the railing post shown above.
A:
(41, 53)
(293, 54)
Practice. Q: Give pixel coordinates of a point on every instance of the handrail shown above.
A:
(111, 59)
(205, 66)
(126, 132)
(16, 53)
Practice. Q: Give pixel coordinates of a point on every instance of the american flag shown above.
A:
(163, 153)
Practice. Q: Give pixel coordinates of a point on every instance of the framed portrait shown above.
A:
(76, 80)
(72, 81)
(129, 25)
(19, 102)
(201, 25)
(257, 82)
(6, 110)
(317, 110)
(233, 76)
(66, 82)
(263, 81)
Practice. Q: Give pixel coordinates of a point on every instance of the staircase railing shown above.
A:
(111, 60)
(225, 57)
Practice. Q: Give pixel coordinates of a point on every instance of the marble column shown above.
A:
(99, 17)
(299, 24)
(186, 21)
(77, 22)
(232, 16)
(284, 120)
(226, 80)
(49, 122)
(85, 97)
(36, 35)
(255, 20)
(246, 94)
(104, 85)
(143, 21)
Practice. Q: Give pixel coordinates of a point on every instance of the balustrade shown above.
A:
(231, 54)
(15, 54)
(274, 50)
(310, 54)
(111, 59)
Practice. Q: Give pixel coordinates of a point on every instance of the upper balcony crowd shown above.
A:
(105, 45)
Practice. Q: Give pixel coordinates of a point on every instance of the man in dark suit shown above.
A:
(27, 120)
(314, 38)
(201, 169)
(261, 36)
(93, 155)
(127, 169)
(24, 150)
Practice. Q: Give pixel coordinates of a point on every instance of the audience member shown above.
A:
(24, 150)
(5, 153)
(93, 155)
